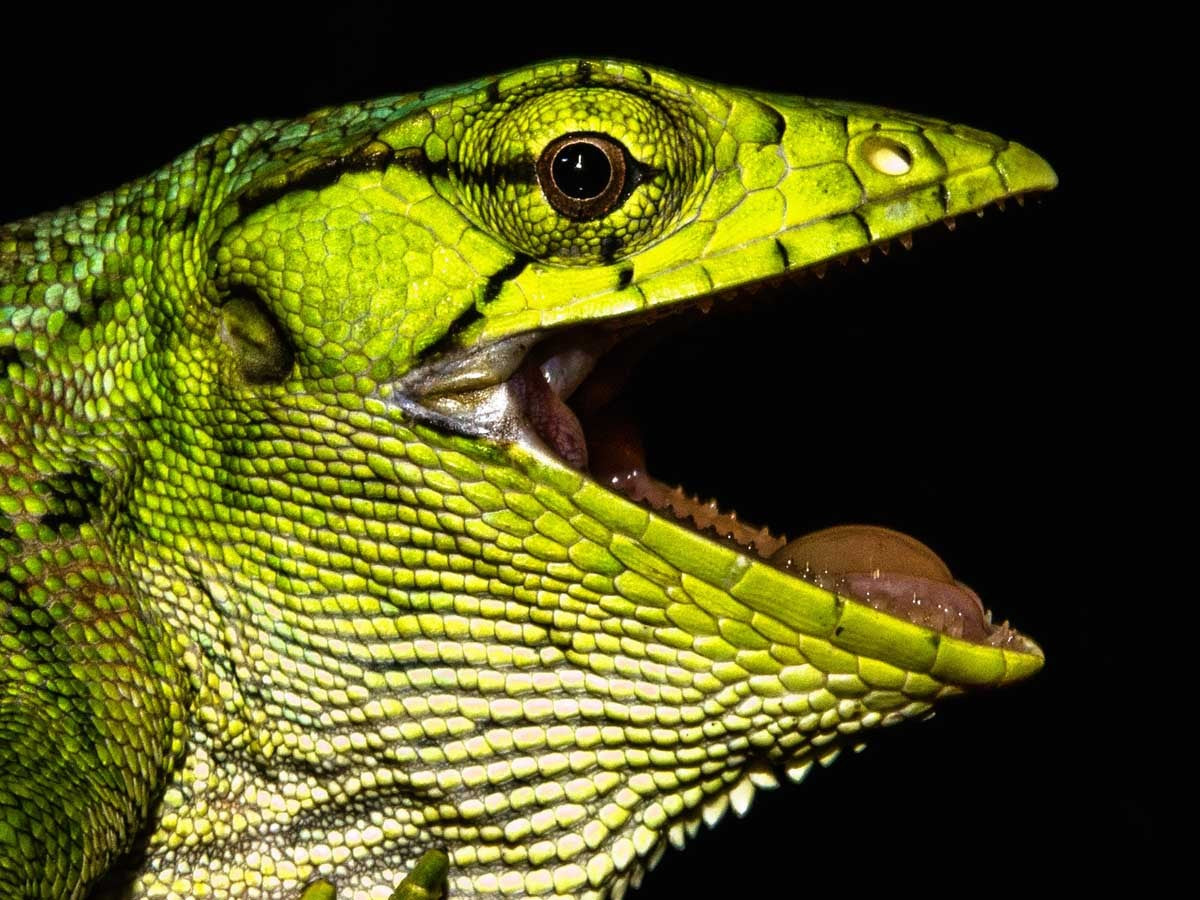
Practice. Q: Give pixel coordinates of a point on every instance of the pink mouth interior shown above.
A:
(887, 570)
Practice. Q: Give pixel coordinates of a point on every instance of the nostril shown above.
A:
(886, 156)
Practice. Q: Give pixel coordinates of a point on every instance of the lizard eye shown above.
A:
(583, 175)
(577, 175)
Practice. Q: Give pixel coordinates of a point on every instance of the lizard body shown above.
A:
(307, 569)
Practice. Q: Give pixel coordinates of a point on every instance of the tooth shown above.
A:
(797, 769)
(820, 269)
(742, 796)
(906, 241)
(714, 809)
(619, 888)
(763, 541)
(693, 826)
(1020, 199)
(865, 254)
(979, 213)
(1000, 204)
(950, 224)
(885, 247)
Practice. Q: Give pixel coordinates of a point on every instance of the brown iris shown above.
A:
(583, 175)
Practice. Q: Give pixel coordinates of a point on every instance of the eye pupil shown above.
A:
(583, 175)
(581, 170)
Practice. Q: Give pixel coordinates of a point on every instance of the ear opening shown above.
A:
(261, 348)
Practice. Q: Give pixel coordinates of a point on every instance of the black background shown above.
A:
(965, 392)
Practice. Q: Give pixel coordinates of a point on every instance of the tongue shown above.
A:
(891, 572)
(550, 417)
(863, 548)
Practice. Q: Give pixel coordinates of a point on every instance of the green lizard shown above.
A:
(309, 570)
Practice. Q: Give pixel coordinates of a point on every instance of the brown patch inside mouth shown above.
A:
(896, 574)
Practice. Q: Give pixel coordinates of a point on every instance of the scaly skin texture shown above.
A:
(260, 626)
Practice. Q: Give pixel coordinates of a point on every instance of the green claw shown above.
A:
(319, 890)
(427, 880)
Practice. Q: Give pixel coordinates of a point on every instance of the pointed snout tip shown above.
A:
(1025, 171)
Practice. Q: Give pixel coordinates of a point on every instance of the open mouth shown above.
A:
(579, 394)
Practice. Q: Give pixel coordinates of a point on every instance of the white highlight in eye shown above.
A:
(887, 156)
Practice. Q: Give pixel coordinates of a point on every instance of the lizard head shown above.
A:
(385, 491)
(482, 263)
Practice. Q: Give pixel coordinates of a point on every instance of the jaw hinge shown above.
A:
(469, 369)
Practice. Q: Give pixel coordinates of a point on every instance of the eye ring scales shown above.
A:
(583, 175)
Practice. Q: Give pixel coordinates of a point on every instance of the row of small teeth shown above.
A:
(707, 516)
(863, 253)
